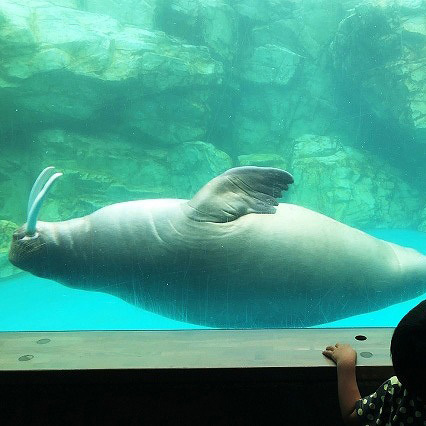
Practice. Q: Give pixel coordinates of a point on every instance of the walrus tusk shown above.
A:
(229, 257)
(38, 186)
(37, 196)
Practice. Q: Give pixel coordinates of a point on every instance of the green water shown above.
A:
(153, 99)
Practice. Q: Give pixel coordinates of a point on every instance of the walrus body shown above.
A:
(178, 258)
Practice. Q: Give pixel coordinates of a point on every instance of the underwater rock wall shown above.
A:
(6, 230)
(141, 99)
(352, 186)
(382, 52)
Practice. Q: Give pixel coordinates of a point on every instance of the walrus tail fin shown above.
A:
(237, 192)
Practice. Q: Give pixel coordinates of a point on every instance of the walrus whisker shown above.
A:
(36, 206)
(38, 186)
(35, 248)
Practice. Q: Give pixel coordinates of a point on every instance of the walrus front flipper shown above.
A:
(237, 192)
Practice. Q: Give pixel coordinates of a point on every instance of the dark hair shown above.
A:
(408, 350)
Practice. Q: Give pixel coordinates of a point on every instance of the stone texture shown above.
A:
(264, 11)
(219, 27)
(262, 160)
(351, 186)
(193, 164)
(271, 65)
(6, 231)
(66, 3)
(211, 23)
(15, 184)
(290, 54)
(267, 118)
(7, 228)
(171, 118)
(62, 63)
(158, 107)
(380, 53)
(101, 169)
(261, 120)
(140, 13)
(307, 29)
(107, 169)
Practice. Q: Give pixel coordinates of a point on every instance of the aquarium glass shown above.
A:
(189, 164)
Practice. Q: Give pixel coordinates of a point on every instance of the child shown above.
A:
(401, 400)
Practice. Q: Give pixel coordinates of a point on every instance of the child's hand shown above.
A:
(340, 353)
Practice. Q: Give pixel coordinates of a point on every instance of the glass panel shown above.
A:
(211, 163)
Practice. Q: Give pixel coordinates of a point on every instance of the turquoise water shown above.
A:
(28, 303)
(143, 100)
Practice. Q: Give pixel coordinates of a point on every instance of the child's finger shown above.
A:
(328, 354)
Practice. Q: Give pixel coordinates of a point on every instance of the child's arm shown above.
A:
(345, 358)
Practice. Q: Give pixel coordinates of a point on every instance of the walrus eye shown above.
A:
(38, 193)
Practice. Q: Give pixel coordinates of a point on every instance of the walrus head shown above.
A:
(30, 241)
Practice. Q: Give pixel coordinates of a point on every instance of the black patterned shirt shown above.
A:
(391, 404)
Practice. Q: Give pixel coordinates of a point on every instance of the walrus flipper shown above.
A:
(237, 192)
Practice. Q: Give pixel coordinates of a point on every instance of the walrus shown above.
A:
(230, 257)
